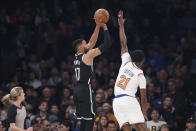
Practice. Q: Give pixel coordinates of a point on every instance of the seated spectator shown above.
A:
(95, 126)
(101, 91)
(167, 111)
(45, 125)
(179, 101)
(99, 99)
(106, 110)
(1, 126)
(102, 125)
(190, 124)
(55, 124)
(66, 126)
(155, 123)
(151, 93)
(100, 111)
(38, 118)
(164, 127)
(78, 123)
(47, 96)
(36, 125)
(155, 59)
(33, 81)
(71, 108)
(29, 116)
(29, 98)
(54, 110)
(111, 126)
(65, 97)
(43, 108)
(110, 94)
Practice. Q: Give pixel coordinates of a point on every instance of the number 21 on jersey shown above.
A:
(123, 82)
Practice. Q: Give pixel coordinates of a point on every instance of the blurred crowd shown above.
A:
(36, 53)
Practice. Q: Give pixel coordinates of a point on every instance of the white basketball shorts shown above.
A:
(127, 110)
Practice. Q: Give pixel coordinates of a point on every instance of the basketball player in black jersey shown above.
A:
(83, 63)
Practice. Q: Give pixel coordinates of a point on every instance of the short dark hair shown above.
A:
(67, 123)
(34, 122)
(137, 55)
(111, 122)
(154, 109)
(76, 43)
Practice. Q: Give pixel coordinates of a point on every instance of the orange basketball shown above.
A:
(102, 15)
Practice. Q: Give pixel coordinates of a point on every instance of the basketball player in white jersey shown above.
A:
(127, 109)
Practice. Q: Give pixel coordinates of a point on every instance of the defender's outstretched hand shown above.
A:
(121, 20)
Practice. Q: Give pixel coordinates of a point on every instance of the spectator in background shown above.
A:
(179, 102)
(102, 125)
(151, 93)
(100, 112)
(54, 110)
(65, 99)
(63, 84)
(167, 111)
(108, 112)
(45, 125)
(33, 81)
(110, 94)
(155, 123)
(38, 118)
(155, 59)
(47, 96)
(164, 127)
(30, 116)
(55, 124)
(66, 126)
(1, 126)
(161, 79)
(34, 64)
(36, 125)
(99, 99)
(43, 108)
(190, 124)
(43, 72)
(71, 108)
(95, 127)
(111, 126)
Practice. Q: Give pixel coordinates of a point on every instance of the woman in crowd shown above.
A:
(102, 125)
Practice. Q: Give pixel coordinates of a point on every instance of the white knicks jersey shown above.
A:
(129, 77)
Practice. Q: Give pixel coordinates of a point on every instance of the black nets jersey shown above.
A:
(83, 72)
(84, 98)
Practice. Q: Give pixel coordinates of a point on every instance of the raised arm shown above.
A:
(94, 36)
(91, 54)
(123, 39)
